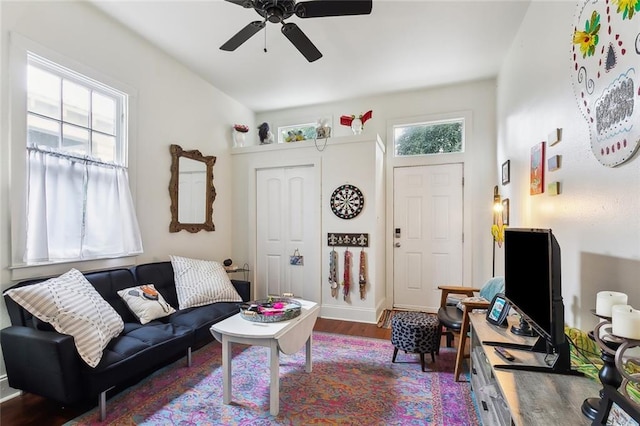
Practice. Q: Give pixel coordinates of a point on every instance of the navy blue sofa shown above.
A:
(42, 361)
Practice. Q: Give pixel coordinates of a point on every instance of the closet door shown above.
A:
(288, 219)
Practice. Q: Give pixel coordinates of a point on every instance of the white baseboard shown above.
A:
(6, 392)
(350, 313)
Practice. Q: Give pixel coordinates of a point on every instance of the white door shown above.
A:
(288, 219)
(427, 216)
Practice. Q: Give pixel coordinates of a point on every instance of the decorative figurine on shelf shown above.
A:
(239, 132)
(266, 137)
(323, 130)
(356, 123)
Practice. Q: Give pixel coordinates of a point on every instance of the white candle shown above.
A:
(606, 299)
(625, 321)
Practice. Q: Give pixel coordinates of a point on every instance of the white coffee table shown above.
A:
(286, 336)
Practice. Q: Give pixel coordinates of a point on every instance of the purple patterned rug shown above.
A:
(353, 382)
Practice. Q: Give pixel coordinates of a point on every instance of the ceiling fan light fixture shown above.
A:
(276, 11)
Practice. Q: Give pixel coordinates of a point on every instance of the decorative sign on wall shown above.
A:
(340, 239)
(606, 77)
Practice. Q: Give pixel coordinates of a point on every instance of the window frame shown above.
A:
(434, 121)
(301, 122)
(94, 85)
(19, 48)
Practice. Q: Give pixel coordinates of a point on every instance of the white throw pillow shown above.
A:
(146, 302)
(201, 282)
(73, 306)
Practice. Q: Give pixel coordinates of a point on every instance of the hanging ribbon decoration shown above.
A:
(362, 276)
(333, 272)
(347, 273)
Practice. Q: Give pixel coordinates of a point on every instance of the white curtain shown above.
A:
(78, 209)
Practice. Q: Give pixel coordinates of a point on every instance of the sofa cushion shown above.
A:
(72, 305)
(201, 282)
(146, 305)
(203, 317)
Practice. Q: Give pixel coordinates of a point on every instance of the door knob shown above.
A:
(397, 244)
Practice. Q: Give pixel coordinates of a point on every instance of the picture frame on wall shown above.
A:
(537, 169)
(506, 172)
(505, 211)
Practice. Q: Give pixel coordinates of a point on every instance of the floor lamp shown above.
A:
(497, 229)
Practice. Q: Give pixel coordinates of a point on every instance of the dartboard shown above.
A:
(347, 201)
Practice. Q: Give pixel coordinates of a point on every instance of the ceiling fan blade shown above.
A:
(243, 35)
(301, 42)
(320, 8)
(243, 3)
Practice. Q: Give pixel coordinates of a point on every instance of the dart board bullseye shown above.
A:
(347, 201)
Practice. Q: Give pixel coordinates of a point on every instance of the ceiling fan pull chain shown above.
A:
(265, 38)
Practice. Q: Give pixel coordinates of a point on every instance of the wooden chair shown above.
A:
(456, 321)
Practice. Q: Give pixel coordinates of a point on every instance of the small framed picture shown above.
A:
(537, 169)
(506, 172)
(616, 410)
(553, 163)
(498, 310)
(505, 211)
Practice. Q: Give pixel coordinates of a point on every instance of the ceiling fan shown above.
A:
(277, 11)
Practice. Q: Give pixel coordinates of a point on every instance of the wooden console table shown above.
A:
(510, 397)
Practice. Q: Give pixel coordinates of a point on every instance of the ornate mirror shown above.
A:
(191, 190)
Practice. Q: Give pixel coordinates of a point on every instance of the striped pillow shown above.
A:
(201, 282)
(71, 304)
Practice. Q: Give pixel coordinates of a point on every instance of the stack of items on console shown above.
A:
(77, 336)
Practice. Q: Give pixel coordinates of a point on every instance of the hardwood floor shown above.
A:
(32, 410)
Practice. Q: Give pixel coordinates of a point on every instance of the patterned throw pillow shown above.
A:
(71, 304)
(201, 282)
(146, 302)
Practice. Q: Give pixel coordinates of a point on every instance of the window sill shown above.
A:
(51, 269)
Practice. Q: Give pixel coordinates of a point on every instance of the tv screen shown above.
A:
(532, 280)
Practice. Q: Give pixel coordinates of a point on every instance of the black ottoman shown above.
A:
(415, 332)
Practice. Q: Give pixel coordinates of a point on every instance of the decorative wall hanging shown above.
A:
(606, 76)
(346, 285)
(333, 272)
(348, 240)
(347, 201)
(296, 258)
(537, 169)
(506, 172)
(356, 123)
(362, 275)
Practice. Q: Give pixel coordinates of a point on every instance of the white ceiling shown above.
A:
(402, 45)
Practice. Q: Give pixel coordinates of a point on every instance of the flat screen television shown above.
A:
(533, 287)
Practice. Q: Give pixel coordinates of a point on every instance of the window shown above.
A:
(434, 137)
(78, 204)
(298, 132)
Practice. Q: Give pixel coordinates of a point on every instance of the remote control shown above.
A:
(504, 353)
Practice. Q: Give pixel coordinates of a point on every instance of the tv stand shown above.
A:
(527, 392)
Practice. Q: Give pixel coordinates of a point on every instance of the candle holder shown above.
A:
(609, 374)
(628, 378)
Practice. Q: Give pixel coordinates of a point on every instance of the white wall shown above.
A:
(479, 158)
(173, 106)
(595, 219)
(349, 159)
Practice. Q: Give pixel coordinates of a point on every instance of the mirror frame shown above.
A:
(175, 226)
